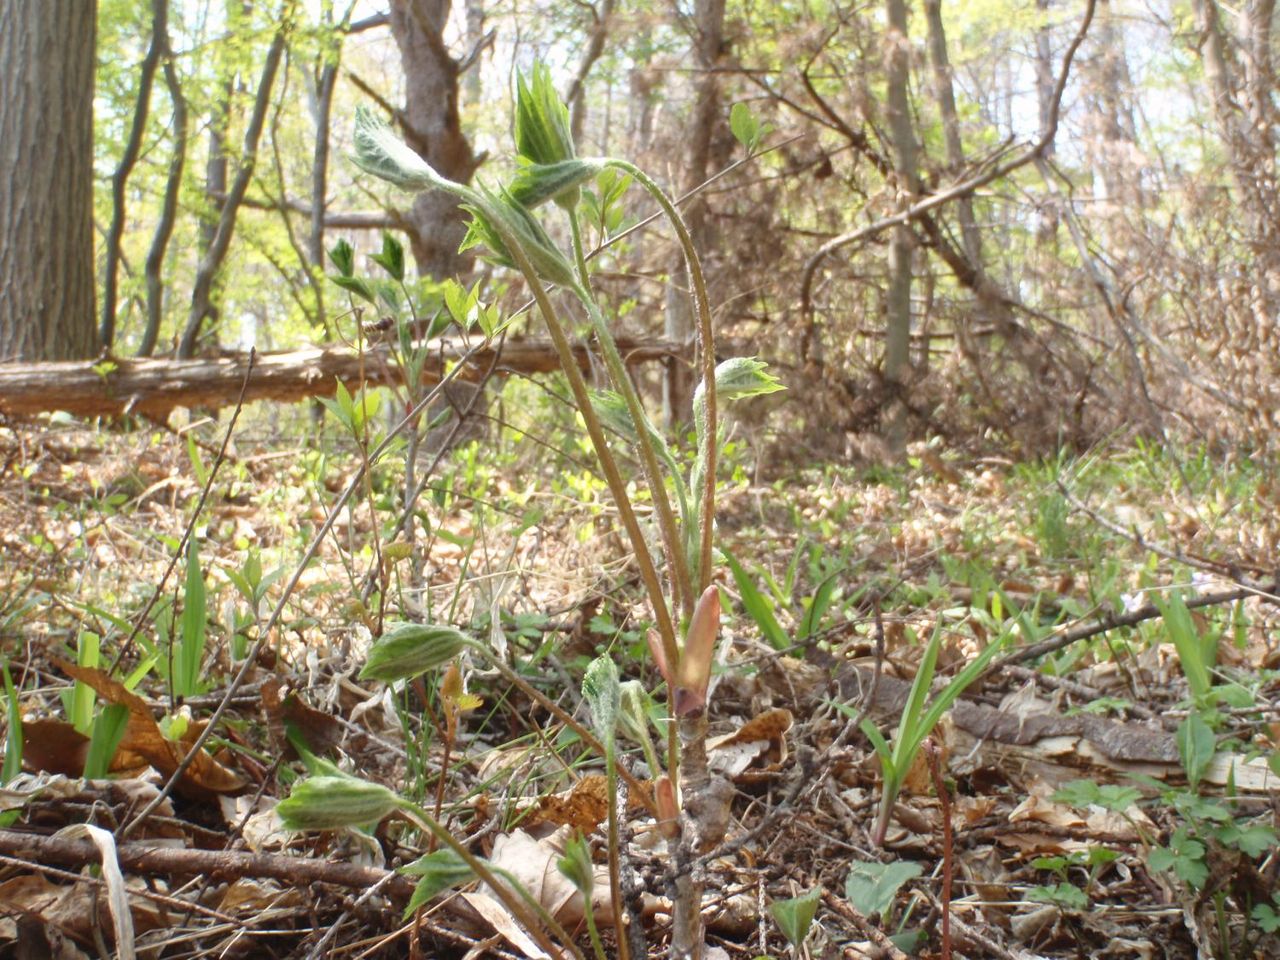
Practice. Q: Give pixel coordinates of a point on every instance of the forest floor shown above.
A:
(1110, 784)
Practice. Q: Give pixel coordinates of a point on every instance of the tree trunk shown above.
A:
(944, 92)
(155, 387)
(168, 207)
(46, 179)
(902, 143)
(1047, 228)
(577, 97)
(202, 290)
(679, 380)
(432, 127)
(115, 233)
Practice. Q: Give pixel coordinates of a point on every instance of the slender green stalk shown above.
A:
(531, 914)
(677, 563)
(615, 856)
(581, 396)
(706, 348)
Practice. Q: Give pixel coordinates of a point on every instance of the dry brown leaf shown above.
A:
(204, 779)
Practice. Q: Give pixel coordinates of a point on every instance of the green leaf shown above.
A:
(411, 649)
(83, 695)
(1193, 654)
(1196, 747)
(13, 739)
(795, 916)
(1267, 918)
(108, 731)
(819, 603)
(440, 871)
(1184, 856)
(1086, 793)
(343, 257)
(357, 285)
(1253, 840)
(872, 886)
(744, 126)
(758, 607)
(1065, 895)
(391, 259)
(195, 624)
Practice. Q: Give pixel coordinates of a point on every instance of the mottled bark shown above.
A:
(432, 127)
(46, 179)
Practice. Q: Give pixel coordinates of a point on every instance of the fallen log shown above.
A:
(112, 387)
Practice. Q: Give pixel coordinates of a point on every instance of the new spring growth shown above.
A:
(543, 134)
(692, 675)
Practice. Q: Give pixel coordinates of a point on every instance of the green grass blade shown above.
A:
(195, 624)
(758, 606)
(13, 741)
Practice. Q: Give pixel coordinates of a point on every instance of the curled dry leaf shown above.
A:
(204, 779)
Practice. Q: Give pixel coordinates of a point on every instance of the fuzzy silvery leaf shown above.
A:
(383, 154)
(602, 691)
(329, 803)
(535, 183)
(410, 649)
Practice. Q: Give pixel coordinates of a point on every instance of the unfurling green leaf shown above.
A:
(543, 133)
(391, 259)
(740, 377)
(410, 649)
(536, 183)
(602, 691)
(548, 262)
(381, 153)
(329, 803)
(795, 916)
(576, 865)
(439, 871)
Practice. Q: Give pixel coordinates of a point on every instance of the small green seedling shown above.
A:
(917, 722)
(795, 916)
